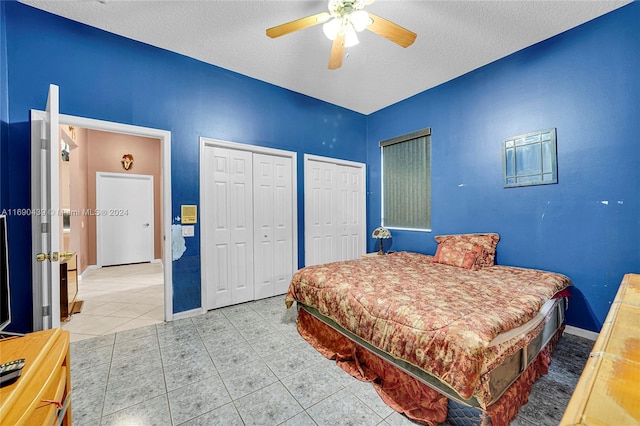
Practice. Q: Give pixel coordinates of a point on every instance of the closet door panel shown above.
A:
(217, 278)
(320, 206)
(229, 199)
(273, 224)
(334, 211)
(241, 216)
(283, 224)
(263, 225)
(351, 211)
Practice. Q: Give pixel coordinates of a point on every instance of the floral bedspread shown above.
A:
(438, 317)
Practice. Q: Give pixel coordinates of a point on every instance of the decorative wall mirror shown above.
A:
(530, 159)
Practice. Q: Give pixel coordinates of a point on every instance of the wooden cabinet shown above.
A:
(42, 394)
(68, 284)
(608, 392)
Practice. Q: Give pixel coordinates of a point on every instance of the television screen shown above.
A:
(5, 306)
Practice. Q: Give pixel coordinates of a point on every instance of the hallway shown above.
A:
(118, 298)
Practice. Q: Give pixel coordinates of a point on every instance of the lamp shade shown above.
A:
(331, 28)
(381, 233)
(360, 20)
(350, 37)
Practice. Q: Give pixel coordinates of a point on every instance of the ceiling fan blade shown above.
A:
(391, 31)
(298, 24)
(337, 52)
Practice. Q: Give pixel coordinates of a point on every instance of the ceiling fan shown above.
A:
(344, 19)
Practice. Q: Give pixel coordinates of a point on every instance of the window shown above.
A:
(406, 181)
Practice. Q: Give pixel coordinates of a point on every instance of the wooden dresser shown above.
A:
(608, 392)
(45, 377)
(68, 284)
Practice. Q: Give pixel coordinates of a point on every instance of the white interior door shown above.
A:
(334, 200)
(228, 201)
(273, 224)
(319, 212)
(351, 212)
(46, 218)
(124, 218)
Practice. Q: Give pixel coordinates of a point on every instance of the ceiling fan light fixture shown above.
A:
(360, 20)
(350, 36)
(331, 28)
(342, 22)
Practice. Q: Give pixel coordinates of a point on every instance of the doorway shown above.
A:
(47, 292)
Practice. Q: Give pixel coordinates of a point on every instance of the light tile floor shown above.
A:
(247, 365)
(118, 298)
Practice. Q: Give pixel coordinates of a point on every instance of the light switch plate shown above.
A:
(188, 230)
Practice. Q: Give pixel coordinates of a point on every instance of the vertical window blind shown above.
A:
(406, 181)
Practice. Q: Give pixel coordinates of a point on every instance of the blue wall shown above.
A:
(4, 111)
(584, 82)
(111, 78)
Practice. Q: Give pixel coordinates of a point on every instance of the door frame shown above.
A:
(99, 218)
(165, 152)
(210, 142)
(363, 174)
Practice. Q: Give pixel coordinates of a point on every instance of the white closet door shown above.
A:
(334, 210)
(351, 212)
(320, 213)
(273, 224)
(229, 203)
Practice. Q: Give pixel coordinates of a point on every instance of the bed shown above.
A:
(450, 337)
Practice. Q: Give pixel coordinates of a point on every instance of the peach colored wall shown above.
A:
(64, 192)
(79, 199)
(105, 151)
(73, 195)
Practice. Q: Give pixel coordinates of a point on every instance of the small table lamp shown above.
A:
(381, 233)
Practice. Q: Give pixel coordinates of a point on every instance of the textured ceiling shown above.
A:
(454, 37)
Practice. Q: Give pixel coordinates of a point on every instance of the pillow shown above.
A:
(463, 243)
(456, 254)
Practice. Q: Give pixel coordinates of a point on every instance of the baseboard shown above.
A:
(87, 269)
(581, 332)
(188, 314)
(90, 267)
